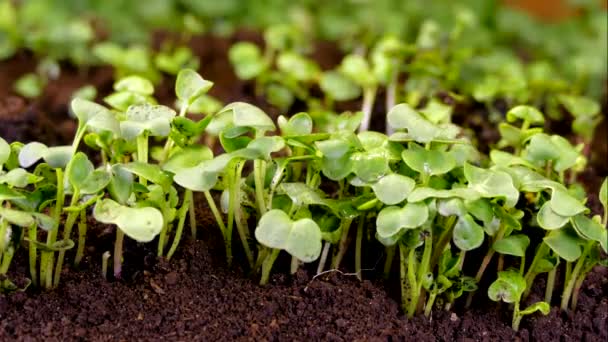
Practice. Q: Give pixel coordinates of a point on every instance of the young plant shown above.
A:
(277, 230)
(509, 288)
(142, 224)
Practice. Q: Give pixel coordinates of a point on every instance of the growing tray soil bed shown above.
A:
(196, 298)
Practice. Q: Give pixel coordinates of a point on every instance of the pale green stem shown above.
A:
(104, 264)
(227, 234)
(67, 231)
(234, 194)
(192, 216)
(82, 236)
(388, 263)
(345, 225)
(485, 262)
(267, 265)
(180, 224)
(47, 258)
(323, 258)
(571, 280)
(516, 316)
(358, 243)
(295, 264)
(531, 274)
(369, 96)
(170, 142)
(429, 304)
(33, 254)
(120, 236)
(550, 285)
(391, 94)
(258, 172)
(7, 257)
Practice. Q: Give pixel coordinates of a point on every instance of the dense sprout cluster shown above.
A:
(425, 192)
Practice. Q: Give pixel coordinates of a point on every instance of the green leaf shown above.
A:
(16, 217)
(187, 157)
(301, 238)
(391, 220)
(154, 119)
(435, 111)
(151, 172)
(265, 146)
(338, 86)
(121, 183)
(204, 176)
(135, 84)
(5, 152)
(430, 162)
(541, 149)
(515, 245)
(508, 288)
(549, 219)
(402, 116)
(370, 166)
(451, 207)
(337, 162)
(81, 168)
(7, 194)
(393, 188)
(525, 113)
(492, 183)
(189, 85)
(95, 182)
(241, 114)
(590, 229)
(579, 106)
(301, 194)
(140, 224)
(57, 246)
(543, 307)
(603, 195)
(32, 152)
(96, 117)
(298, 67)
(358, 70)
(247, 60)
(565, 244)
(467, 233)
(298, 124)
(19, 178)
(565, 204)
(422, 193)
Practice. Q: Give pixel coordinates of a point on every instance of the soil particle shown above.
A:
(195, 297)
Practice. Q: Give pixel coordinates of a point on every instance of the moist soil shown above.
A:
(196, 296)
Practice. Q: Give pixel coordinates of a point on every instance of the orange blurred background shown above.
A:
(548, 9)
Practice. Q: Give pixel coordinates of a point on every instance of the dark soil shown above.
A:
(196, 297)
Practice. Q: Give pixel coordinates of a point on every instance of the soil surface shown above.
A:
(196, 297)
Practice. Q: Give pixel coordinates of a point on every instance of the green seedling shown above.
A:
(586, 113)
(172, 60)
(300, 238)
(130, 90)
(134, 60)
(509, 288)
(141, 224)
(84, 180)
(190, 87)
(358, 70)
